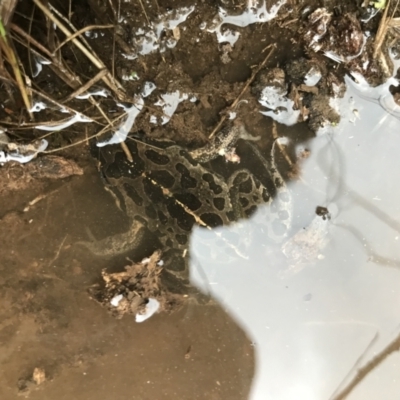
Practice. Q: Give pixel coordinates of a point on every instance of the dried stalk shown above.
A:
(78, 33)
(108, 79)
(368, 368)
(382, 31)
(86, 86)
(8, 50)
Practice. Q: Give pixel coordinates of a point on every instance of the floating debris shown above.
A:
(25, 386)
(305, 246)
(379, 94)
(38, 106)
(340, 38)
(138, 291)
(312, 77)
(39, 376)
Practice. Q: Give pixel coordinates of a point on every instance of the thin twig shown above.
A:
(369, 367)
(359, 360)
(71, 25)
(382, 29)
(113, 55)
(104, 130)
(67, 76)
(78, 33)
(69, 9)
(127, 152)
(144, 12)
(31, 40)
(7, 48)
(57, 67)
(113, 9)
(86, 86)
(108, 79)
(62, 106)
(248, 83)
(58, 252)
(280, 147)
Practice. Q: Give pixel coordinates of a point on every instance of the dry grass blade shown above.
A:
(144, 11)
(104, 130)
(78, 33)
(56, 65)
(382, 30)
(108, 79)
(368, 368)
(86, 86)
(7, 8)
(8, 50)
(394, 23)
(30, 39)
(61, 106)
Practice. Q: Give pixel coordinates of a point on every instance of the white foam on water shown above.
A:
(38, 106)
(281, 107)
(169, 103)
(150, 40)
(378, 94)
(38, 66)
(116, 299)
(93, 92)
(151, 307)
(122, 132)
(251, 15)
(312, 77)
(338, 58)
(148, 89)
(76, 118)
(24, 153)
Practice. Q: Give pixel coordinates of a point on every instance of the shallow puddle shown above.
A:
(225, 114)
(301, 310)
(48, 320)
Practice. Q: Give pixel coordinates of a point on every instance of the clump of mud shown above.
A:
(135, 289)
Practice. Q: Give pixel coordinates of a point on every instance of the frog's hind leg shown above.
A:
(116, 244)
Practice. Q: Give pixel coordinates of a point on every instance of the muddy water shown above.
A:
(49, 322)
(291, 319)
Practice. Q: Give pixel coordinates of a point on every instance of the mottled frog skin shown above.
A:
(167, 190)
